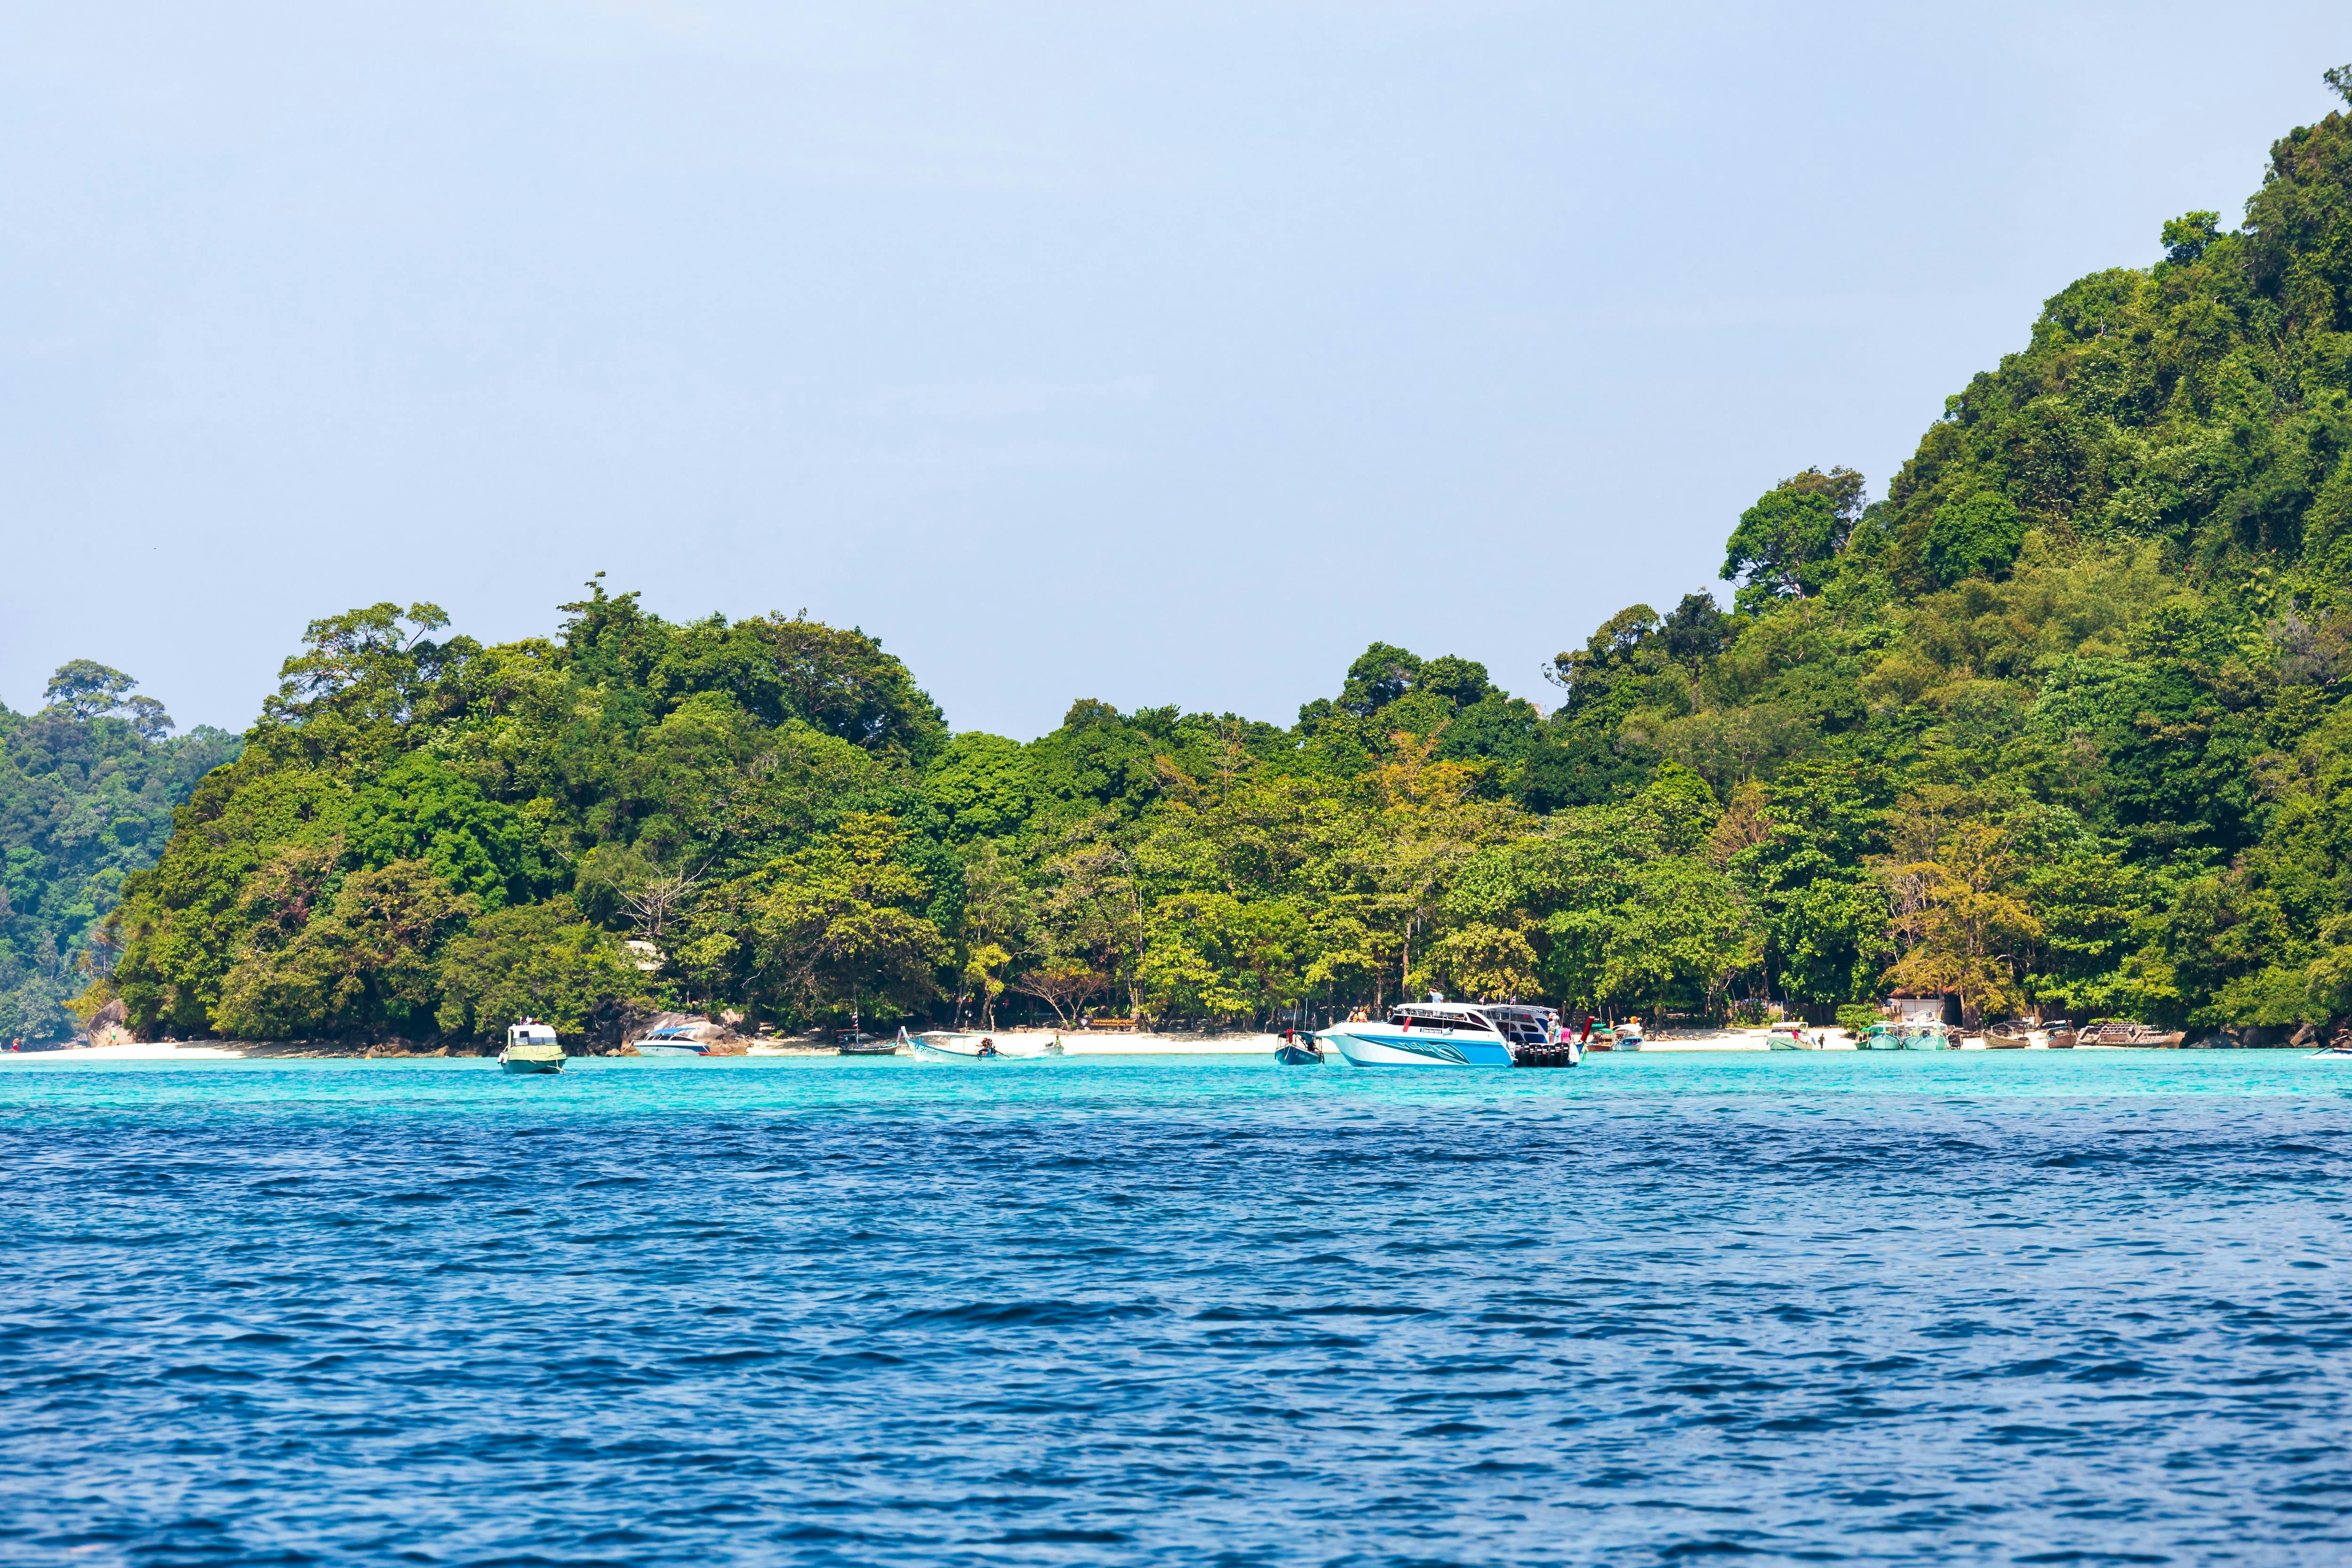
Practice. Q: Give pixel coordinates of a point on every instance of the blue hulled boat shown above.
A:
(1440, 1034)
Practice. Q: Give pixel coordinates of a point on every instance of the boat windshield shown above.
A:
(1438, 1019)
(1521, 1026)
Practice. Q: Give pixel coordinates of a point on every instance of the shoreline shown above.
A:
(1074, 1043)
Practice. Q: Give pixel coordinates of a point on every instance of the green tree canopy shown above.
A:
(2053, 724)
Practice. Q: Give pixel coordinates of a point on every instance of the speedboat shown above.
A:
(1789, 1038)
(671, 1042)
(2332, 1054)
(1441, 1034)
(531, 1046)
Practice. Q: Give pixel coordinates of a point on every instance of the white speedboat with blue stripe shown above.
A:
(1445, 1034)
(672, 1042)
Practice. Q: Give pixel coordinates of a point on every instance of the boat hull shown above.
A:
(669, 1050)
(1298, 1056)
(1905, 1040)
(532, 1064)
(1380, 1046)
(923, 1051)
(946, 1046)
(2137, 1036)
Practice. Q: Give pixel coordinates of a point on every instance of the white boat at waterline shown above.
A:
(1441, 1034)
(671, 1042)
(962, 1046)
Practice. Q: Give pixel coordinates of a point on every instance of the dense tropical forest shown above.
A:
(2057, 724)
(87, 788)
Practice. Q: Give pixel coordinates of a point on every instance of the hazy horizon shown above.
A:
(1154, 358)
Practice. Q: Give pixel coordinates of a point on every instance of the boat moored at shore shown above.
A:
(1441, 1034)
(2126, 1032)
(1909, 1036)
(960, 1046)
(671, 1042)
(531, 1046)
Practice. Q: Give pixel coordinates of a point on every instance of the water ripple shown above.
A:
(1789, 1309)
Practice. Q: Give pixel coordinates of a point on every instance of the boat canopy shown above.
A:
(1496, 1018)
(530, 1034)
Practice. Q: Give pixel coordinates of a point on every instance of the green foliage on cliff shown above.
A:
(2059, 722)
(87, 788)
(426, 835)
(2083, 666)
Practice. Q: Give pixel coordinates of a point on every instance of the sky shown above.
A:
(1153, 354)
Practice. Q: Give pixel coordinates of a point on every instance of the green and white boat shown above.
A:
(531, 1046)
(1909, 1036)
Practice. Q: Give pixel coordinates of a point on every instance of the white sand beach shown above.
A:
(131, 1051)
(1123, 1043)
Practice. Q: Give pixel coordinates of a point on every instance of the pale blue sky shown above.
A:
(1151, 353)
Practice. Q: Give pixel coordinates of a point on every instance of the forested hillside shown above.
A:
(2058, 723)
(87, 788)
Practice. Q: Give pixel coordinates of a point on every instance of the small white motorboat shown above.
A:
(671, 1042)
(1789, 1038)
(962, 1046)
(2332, 1054)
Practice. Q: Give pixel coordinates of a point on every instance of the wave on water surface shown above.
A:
(2079, 1310)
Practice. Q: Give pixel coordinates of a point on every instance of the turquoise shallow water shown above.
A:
(1978, 1308)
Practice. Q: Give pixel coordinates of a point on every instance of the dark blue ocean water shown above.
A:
(2000, 1308)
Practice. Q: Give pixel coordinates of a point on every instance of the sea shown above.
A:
(1918, 1308)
